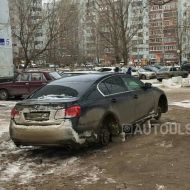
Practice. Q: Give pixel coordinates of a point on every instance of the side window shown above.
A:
(103, 88)
(115, 85)
(132, 84)
(95, 94)
(23, 77)
(36, 77)
(43, 78)
(173, 69)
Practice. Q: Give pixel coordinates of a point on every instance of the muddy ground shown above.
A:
(143, 162)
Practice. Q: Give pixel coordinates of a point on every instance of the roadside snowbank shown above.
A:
(176, 82)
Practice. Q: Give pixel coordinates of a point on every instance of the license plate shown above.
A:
(37, 116)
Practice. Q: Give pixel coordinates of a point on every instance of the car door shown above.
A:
(120, 100)
(174, 72)
(143, 98)
(20, 85)
(37, 80)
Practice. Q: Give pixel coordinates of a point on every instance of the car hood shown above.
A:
(147, 72)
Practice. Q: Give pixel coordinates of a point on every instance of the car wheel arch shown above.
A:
(163, 103)
(109, 125)
(5, 90)
(107, 117)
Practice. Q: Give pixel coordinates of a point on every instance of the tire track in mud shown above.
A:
(26, 166)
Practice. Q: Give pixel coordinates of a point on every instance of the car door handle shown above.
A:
(114, 100)
(27, 83)
(136, 96)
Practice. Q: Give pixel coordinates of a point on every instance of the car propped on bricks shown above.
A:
(78, 109)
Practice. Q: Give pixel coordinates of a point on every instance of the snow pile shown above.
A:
(185, 82)
(176, 82)
(9, 104)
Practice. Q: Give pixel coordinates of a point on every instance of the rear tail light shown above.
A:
(73, 111)
(15, 113)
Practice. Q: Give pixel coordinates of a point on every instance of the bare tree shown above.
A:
(28, 29)
(46, 32)
(120, 23)
(64, 49)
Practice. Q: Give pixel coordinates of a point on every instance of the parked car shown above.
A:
(185, 67)
(109, 69)
(151, 68)
(25, 83)
(157, 66)
(168, 72)
(134, 71)
(75, 73)
(145, 74)
(79, 109)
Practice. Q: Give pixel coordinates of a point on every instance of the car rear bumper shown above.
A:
(44, 135)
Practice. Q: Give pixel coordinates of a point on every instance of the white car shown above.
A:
(145, 74)
(134, 71)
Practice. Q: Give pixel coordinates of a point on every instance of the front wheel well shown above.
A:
(163, 103)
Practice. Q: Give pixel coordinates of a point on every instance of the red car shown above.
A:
(25, 83)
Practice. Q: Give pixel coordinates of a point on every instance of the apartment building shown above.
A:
(88, 31)
(184, 30)
(140, 50)
(163, 33)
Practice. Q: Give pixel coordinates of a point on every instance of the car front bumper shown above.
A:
(48, 135)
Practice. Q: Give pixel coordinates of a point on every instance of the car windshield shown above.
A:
(142, 70)
(164, 69)
(55, 75)
(70, 89)
(153, 69)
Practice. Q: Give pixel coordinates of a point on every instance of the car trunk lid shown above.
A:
(43, 112)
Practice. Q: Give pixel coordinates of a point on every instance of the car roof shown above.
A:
(80, 72)
(84, 78)
(35, 71)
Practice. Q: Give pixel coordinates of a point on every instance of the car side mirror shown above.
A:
(147, 85)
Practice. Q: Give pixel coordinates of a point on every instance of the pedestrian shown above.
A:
(129, 71)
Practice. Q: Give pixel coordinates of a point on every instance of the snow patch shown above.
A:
(92, 177)
(160, 187)
(166, 144)
(8, 104)
(11, 171)
(110, 180)
(25, 169)
(183, 104)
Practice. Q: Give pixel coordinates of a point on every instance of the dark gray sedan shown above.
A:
(169, 72)
(84, 108)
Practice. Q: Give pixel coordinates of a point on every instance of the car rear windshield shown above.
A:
(69, 90)
(55, 75)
